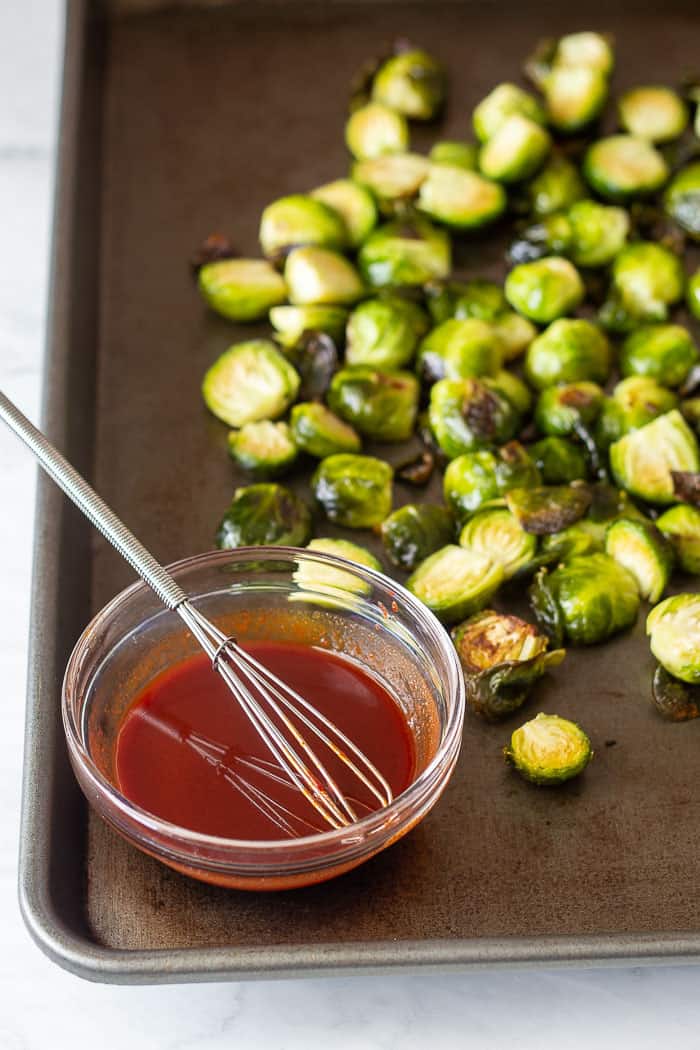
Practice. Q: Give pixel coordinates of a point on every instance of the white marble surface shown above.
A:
(44, 1007)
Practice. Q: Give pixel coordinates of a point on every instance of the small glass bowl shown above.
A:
(258, 593)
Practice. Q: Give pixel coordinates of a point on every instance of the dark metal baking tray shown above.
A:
(175, 123)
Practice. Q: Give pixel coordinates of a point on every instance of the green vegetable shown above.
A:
(456, 154)
(664, 352)
(622, 167)
(516, 150)
(545, 509)
(513, 389)
(317, 276)
(250, 381)
(411, 82)
(459, 198)
(513, 334)
(405, 253)
(300, 220)
(241, 289)
(693, 294)
(459, 349)
(559, 461)
(646, 279)
(319, 432)
(675, 700)
(598, 233)
(290, 322)
(544, 290)
(568, 351)
(354, 491)
(635, 402)
(315, 357)
(592, 50)
(642, 460)
(562, 410)
(313, 576)
(556, 187)
(475, 478)
(455, 582)
(584, 537)
(381, 405)
(264, 514)
(353, 203)
(375, 129)
(574, 96)
(500, 105)
(466, 414)
(265, 449)
(657, 114)
(641, 549)
(549, 750)
(416, 530)
(498, 534)
(674, 630)
(481, 299)
(682, 199)
(681, 526)
(393, 177)
(384, 333)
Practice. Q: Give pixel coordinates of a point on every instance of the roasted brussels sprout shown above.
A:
(459, 198)
(290, 322)
(693, 294)
(664, 352)
(250, 381)
(559, 461)
(513, 334)
(549, 750)
(544, 290)
(265, 449)
(498, 534)
(466, 414)
(241, 289)
(512, 388)
(564, 410)
(315, 357)
(481, 299)
(686, 486)
(354, 491)
(682, 199)
(621, 167)
(264, 514)
(411, 82)
(317, 275)
(415, 531)
(374, 129)
(455, 582)
(642, 461)
(641, 549)
(500, 105)
(657, 114)
(418, 470)
(584, 537)
(475, 478)
(353, 203)
(574, 96)
(384, 333)
(646, 279)
(405, 253)
(502, 657)
(544, 509)
(681, 527)
(515, 151)
(556, 187)
(590, 234)
(300, 220)
(674, 630)
(393, 177)
(314, 577)
(319, 432)
(587, 599)
(635, 402)
(456, 154)
(592, 50)
(459, 350)
(568, 351)
(675, 700)
(381, 405)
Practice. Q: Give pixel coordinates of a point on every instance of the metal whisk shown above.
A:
(279, 714)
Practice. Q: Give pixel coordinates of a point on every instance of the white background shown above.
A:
(43, 1007)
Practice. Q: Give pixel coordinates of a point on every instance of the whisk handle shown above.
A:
(93, 506)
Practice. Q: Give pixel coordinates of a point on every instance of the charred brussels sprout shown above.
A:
(392, 178)
(241, 289)
(384, 333)
(664, 352)
(498, 534)
(461, 199)
(459, 350)
(682, 200)
(568, 351)
(681, 527)
(405, 253)
(264, 449)
(513, 334)
(315, 577)
(657, 114)
(382, 405)
(353, 203)
(290, 322)
(641, 549)
(455, 154)
(559, 461)
(675, 700)
(549, 750)
(574, 96)
(635, 402)
(544, 290)
(642, 461)
(621, 167)
(299, 220)
(513, 388)
(317, 276)
(319, 432)
(315, 357)
(465, 414)
(415, 531)
(475, 478)
(544, 509)
(374, 129)
(587, 599)
(262, 515)
(504, 102)
(564, 410)
(516, 150)
(455, 582)
(411, 82)
(502, 657)
(354, 491)
(556, 187)
(250, 381)
(693, 294)
(674, 630)
(646, 279)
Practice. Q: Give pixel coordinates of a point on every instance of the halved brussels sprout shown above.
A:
(641, 549)
(384, 333)
(544, 509)
(393, 176)
(505, 101)
(312, 576)
(455, 582)
(693, 294)
(664, 352)
(262, 515)
(568, 351)
(300, 220)
(574, 96)
(290, 322)
(593, 50)
(248, 382)
(674, 630)
(583, 537)
(476, 478)
(459, 350)
(657, 114)
(681, 527)
(545, 289)
(382, 405)
(459, 198)
(564, 410)
(502, 657)
(513, 334)
(515, 151)
(559, 461)
(264, 449)
(512, 388)
(405, 253)
(465, 414)
(646, 279)
(587, 599)
(675, 700)
(375, 129)
(415, 531)
(354, 491)
(318, 275)
(556, 187)
(642, 461)
(411, 82)
(549, 750)
(498, 534)
(682, 199)
(621, 167)
(319, 432)
(241, 289)
(635, 402)
(456, 154)
(315, 357)
(481, 299)
(353, 203)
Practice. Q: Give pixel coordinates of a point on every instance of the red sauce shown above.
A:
(187, 753)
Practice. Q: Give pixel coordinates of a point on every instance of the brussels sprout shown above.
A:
(315, 357)
(641, 549)
(405, 253)
(598, 233)
(686, 486)
(621, 167)
(415, 531)
(567, 352)
(657, 114)
(556, 187)
(559, 461)
(460, 198)
(502, 657)
(503, 102)
(646, 279)
(241, 289)
(635, 402)
(574, 96)
(587, 599)
(665, 352)
(690, 408)
(317, 275)
(382, 405)
(290, 322)
(564, 410)
(515, 151)
(250, 381)
(300, 220)
(456, 154)
(312, 576)
(319, 432)
(353, 203)
(513, 334)
(513, 389)
(354, 491)
(544, 290)
(544, 509)
(465, 414)
(682, 199)
(417, 471)
(498, 534)
(374, 129)
(475, 478)
(412, 83)
(675, 700)
(674, 630)
(264, 514)
(455, 582)
(583, 537)
(264, 449)
(642, 461)
(459, 350)
(392, 177)
(549, 750)
(481, 299)
(681, 527)
(593, 50)
(693, 294)
(384, 333)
